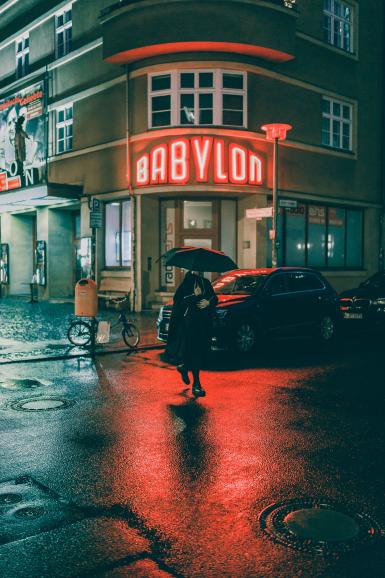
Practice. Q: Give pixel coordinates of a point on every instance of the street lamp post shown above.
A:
(275, 132)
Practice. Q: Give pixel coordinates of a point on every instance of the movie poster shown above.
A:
(22, 139)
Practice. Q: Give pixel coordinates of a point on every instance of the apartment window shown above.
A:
(64, 31)
(197, 97)
(22, 56)
(117, 237)
(337, 124)
(319, 236)
(338, 24)
(64, 123)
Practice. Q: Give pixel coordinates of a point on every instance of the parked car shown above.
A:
(254, 303)
(365, 305)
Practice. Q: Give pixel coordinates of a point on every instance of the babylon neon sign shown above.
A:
(198, 160)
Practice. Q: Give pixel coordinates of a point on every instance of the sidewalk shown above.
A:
(33, 330)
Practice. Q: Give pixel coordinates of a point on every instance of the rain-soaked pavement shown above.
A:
(114, 470)
(31, 331)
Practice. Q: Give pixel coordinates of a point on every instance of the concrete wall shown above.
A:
(60, 253)
(17, 231)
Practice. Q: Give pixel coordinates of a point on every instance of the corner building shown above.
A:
(155, 109)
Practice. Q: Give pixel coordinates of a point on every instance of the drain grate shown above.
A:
(41, 404)
(28, 508)
(318, 526)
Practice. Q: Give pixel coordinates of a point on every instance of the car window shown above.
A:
(300, 281)
(375, 282)
(238, 284)
(276, 285)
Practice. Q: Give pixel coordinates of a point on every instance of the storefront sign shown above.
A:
(198, 159)
(168, 272)
(22, 139)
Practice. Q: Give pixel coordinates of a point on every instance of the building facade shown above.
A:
(143, 119)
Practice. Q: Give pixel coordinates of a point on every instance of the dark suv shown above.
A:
(253, 303)
(365, 305)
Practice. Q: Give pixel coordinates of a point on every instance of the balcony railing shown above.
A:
(290, 4)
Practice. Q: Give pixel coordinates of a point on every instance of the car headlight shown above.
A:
(221, 313)
(380, 301)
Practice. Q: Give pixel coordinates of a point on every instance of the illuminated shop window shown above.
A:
(197, 97)
(63, 36)
(117, 234)
(319, 236)
(64, 123)
(22, 55)
(338, 24)
(337, 124)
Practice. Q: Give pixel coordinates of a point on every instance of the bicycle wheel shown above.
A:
(131, 335)
(79, 333)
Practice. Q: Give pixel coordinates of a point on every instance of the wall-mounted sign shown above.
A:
(197, 160)
(22, 138)
(4, 263)
(96, 214)
(41, 262)
(262, 213)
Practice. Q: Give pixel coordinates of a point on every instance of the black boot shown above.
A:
(184, 374)
(198, 391)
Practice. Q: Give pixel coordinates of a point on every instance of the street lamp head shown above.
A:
(276, 130)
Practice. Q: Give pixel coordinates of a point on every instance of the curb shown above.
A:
(86, 354)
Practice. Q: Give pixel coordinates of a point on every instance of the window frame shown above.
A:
(22, 55)
(331, 117)
(61, 29)
(325, 266)
(175, 92)
(64, 124)
(116, 267)
(336, 20)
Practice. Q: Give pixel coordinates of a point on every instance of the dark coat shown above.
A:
(190, 331)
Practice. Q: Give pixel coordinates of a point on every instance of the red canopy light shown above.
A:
(276, 130)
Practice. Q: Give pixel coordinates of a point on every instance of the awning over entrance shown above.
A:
(40, 196)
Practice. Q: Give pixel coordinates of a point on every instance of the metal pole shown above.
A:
(274, 259)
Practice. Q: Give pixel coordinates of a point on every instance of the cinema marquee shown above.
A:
(194, 160)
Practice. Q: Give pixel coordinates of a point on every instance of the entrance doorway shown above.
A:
(192, 222)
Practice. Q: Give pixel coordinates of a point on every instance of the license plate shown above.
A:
(353, 315)
(166, 326)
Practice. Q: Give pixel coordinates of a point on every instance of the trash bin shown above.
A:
(86, 298)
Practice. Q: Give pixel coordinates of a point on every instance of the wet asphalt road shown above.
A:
(135, 478)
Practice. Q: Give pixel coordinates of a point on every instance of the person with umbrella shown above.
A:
(189, 339)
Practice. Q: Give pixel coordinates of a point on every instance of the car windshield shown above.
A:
(238, 285)
(375, 282)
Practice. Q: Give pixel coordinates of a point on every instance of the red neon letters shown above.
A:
(197, 160)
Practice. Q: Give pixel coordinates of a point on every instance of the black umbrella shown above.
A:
(201, 259)
(172, 252)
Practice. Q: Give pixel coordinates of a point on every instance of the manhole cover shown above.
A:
(22, 384)
(42, 404)
(317, 526)
(7, 499)
(30, 513)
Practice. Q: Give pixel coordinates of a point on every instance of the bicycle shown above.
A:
(83, 333)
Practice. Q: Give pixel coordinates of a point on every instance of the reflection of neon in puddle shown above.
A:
(23, 384)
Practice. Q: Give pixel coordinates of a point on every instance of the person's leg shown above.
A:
(196, 387)
(184, 373)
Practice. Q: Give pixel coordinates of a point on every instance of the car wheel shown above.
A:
(245, 337)
(327, 329)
